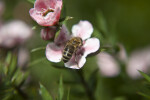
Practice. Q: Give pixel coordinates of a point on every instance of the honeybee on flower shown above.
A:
(55, 51)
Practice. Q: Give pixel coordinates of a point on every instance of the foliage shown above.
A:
(114, 22)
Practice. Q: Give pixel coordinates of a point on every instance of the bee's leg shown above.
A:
(76, 61)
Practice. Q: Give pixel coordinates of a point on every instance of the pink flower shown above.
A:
(90, 45)
(108, 65)
(48, 33)
(23, 58)
(14, 33)
(122, 55)
(54, 50)
(139, 60)
(46, 12)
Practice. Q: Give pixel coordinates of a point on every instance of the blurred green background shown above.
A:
(119, 21)
(129, 19)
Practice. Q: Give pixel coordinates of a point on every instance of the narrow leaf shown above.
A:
(101, 21)
(144, 95)
(44, 93)
(57, 34)
(68, 93)
(93, 80)
(61, 89)
(37, 61)
(7, 62)
(12, 65)
(145, 76)
(31, 1)
(37, 49)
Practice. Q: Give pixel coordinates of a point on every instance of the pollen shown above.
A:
(47, 11)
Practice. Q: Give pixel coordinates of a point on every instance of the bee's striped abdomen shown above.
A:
(67, 53)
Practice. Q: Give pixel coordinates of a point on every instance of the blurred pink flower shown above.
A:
(14, 33)
(122, 55)
(139, 60)
(23, 57)
(46, 12)
(83, 30)
(48, 33)
(107, 64)
(0, 24)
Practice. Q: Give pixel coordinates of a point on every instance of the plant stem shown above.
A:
(22, 94)
(85, 85)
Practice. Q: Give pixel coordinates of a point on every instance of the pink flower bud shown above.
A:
(138, 60)
(122, 55)
(23, 58)
(108, 65)
(48, 33)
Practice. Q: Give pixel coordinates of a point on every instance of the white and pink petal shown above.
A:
(40, 5)
(76, 64)
(91, 45)
(48, 20)
(83, 29)
(63, 36)
(53, 52)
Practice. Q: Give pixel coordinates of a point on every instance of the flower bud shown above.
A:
(138, 60)
(107, 64)
(23, 58)
(48, 33)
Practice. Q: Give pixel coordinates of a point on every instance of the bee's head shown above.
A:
(77, 41)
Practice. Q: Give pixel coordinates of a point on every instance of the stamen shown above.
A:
(47, 11)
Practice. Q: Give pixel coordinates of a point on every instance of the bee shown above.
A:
(71, 47)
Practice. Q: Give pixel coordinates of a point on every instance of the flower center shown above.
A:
(47, 11)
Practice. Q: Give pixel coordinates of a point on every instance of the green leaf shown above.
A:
(10, 63)
(57, 34)
(93, 80)
(19, 77)
(61, 89)
(37, 49)
(144, 95)
(145, 76)
(120, 98)
(31, 1)
(7, 97)
(98, 35)
(34, 27)
(65, 20)
(37, 61)
(7, 61)
(68, 93)
(101, 21)
(13, 65)
(37, 55)
(44, 93)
